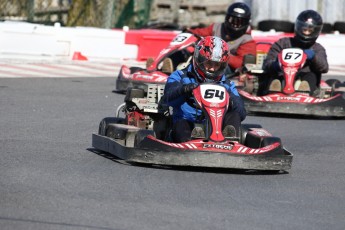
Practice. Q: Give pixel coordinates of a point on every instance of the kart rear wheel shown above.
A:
(135, 69)
(122, 83)
(140, 136)
(103, 125)
(332, 82)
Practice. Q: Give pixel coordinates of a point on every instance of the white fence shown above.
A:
(33, 41)
(39, 41)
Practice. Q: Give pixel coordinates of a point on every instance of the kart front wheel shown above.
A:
(103, 125)
(244, 130)
(140, 136)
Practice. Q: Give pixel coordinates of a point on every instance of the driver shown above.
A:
(308, 26)
(209, 61)
(235, 30)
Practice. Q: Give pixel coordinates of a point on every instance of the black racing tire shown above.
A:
(244, 130)
(140, 136)
(332, 82)
(339, 26)
(277, 25)
(103, 125)
(135, 69)
(121, 83)
(327, 28)
(270, 140)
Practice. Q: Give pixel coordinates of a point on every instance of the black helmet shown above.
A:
(237, 19)
(308, 26)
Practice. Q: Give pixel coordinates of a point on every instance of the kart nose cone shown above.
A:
(288, 90)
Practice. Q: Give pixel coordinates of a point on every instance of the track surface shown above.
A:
(52, 179)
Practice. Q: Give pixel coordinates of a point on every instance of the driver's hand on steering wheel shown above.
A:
(188, 88)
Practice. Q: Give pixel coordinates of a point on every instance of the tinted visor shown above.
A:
(307, 29)
(237, 22)
(213, 65)
(212, 69)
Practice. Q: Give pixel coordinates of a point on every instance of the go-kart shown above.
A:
(327, 101)
(175, 56)
(143, 135)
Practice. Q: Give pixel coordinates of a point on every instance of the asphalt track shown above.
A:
(51, 178)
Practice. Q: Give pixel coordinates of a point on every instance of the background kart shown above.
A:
(143, 136)
(175, 56)
(328, 101)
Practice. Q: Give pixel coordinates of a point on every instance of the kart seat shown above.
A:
(167, 66)
(184, 64)
(149, 62)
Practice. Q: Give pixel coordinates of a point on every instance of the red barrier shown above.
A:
(79, 56)
(150, 42)
(270, 39)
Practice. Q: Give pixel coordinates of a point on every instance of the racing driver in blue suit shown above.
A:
(210, 59)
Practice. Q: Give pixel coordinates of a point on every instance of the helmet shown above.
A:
(237, 19)
(211, 56)
(308, 26)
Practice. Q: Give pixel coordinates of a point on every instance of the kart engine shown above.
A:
(142, 105)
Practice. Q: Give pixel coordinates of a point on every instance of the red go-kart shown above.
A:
(143, 135)
(157, 70)
(327, 101)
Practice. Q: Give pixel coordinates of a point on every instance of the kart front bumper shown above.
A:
(166, 155)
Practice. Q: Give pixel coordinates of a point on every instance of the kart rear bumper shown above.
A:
(121, 84)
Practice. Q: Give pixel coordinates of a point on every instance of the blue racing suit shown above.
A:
(184, 104)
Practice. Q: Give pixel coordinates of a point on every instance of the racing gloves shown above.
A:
(310, 54)
(188, 88)
(174, 90)
(276, 66)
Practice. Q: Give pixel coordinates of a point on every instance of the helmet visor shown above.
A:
(212, 69)
(237, 22)
(307, 29)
